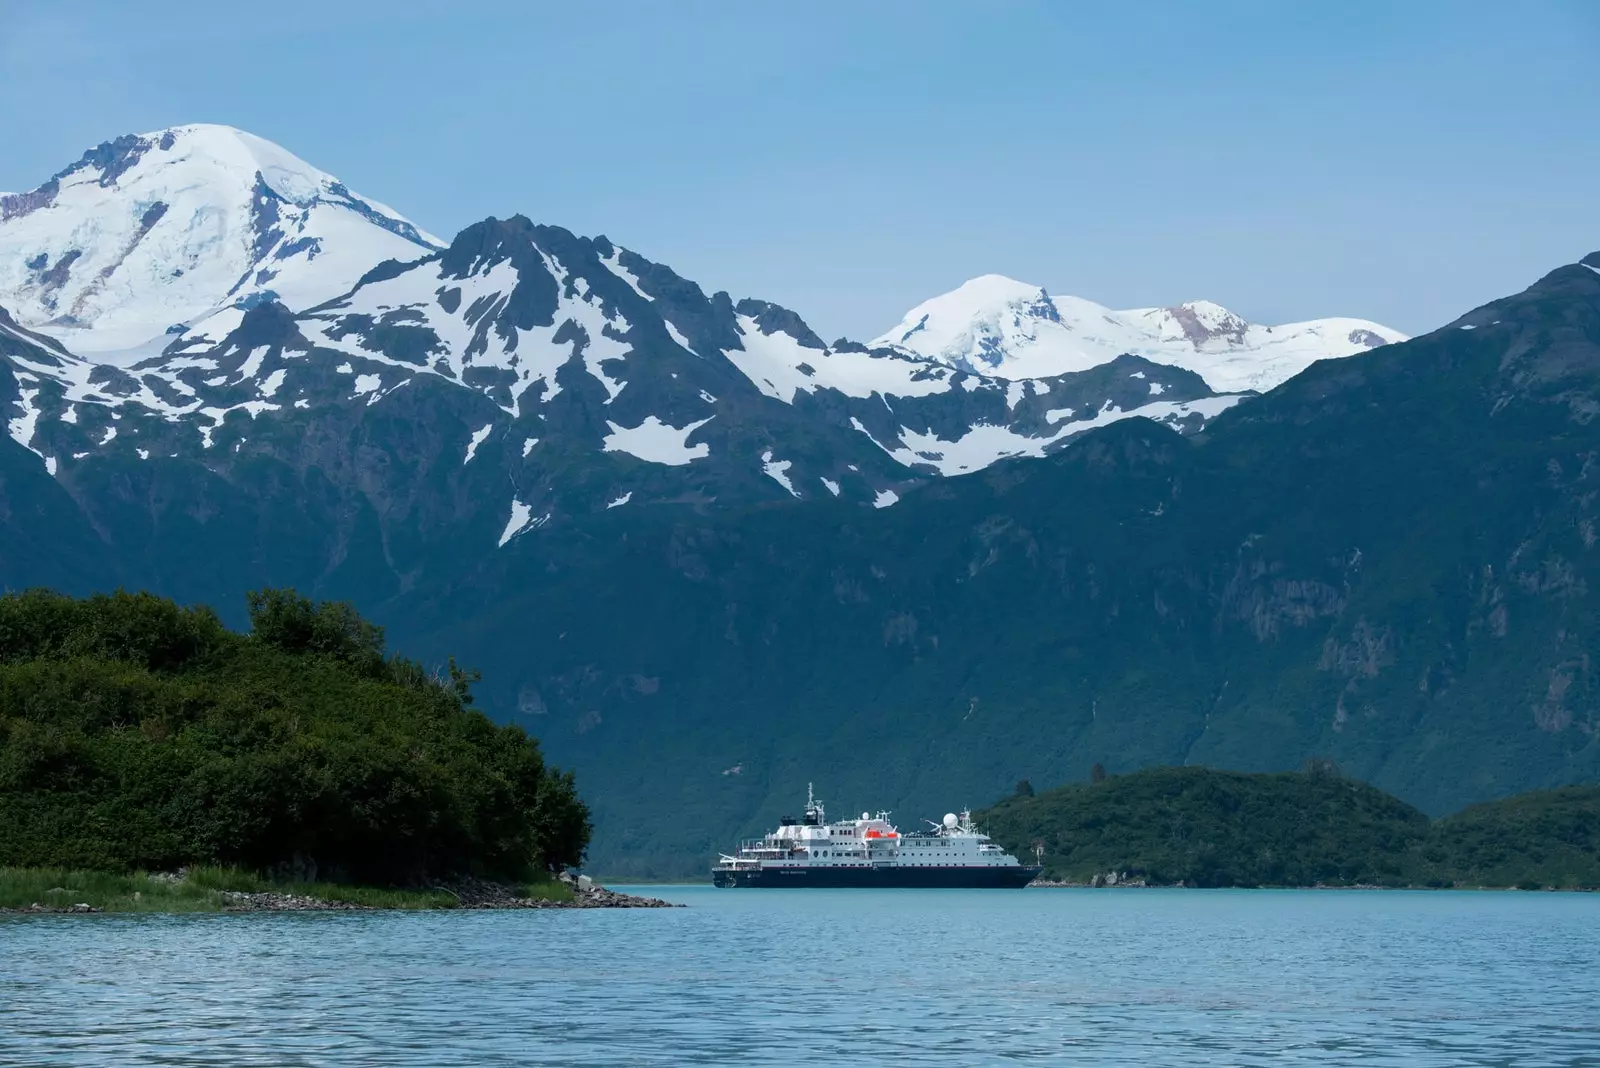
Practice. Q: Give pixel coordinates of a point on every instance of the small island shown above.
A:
(1200, 827)
(151, 759)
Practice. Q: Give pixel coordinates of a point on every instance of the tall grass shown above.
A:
(59, 888)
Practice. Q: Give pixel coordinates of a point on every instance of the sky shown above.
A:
(1402, 162)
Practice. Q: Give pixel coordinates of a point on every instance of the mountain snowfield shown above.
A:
(200, 294)
(149, 235)
(998, 326)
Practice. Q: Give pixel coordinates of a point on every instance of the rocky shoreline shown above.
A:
(1110, 878)
(478, 896)
(474, 894)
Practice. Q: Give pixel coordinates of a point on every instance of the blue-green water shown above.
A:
(1137, 977)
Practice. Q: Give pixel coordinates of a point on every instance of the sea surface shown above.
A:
(789, 977)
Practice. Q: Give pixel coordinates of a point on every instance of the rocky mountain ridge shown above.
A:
(198, 284)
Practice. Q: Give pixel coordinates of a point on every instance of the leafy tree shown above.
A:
(138, 734)
(1024, 788)
(1097, 773)
(287, 621)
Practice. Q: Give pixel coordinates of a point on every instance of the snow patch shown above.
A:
(778, 471)
(885, 498)
(527, 446)
(252, 363)
(833, 487)
(984, 444)
(624, 499)
(779, 366)
(520, 514)
(22, 427)
(478, 437)
(658, 442)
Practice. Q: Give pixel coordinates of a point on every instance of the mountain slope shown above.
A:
(999, 326)
(150, 234)
(1389, 561)
(196, 276)
(660, 521)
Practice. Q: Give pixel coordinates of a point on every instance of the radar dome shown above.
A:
(950, 821)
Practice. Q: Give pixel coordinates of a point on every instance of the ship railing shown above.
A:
(766, 849)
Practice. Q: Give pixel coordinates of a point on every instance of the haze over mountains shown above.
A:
(647, 513)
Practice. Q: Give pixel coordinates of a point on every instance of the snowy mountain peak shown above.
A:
(978, 324)
(999, 326)
(147, 235)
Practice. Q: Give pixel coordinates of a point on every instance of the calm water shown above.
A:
(826, 977)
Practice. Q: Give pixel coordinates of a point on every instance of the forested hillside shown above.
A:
(1207, 828)
(136, 734)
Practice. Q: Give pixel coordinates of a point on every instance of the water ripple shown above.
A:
(1146, 978)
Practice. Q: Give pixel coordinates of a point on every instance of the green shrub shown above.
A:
(135, 734)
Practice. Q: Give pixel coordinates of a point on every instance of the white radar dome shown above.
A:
(950, 821)
(865, 816)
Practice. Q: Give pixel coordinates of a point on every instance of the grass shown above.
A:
(202, 890)
(546, 891)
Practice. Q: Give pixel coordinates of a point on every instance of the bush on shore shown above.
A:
(136, 734)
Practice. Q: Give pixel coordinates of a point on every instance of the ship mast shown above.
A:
(813, 806)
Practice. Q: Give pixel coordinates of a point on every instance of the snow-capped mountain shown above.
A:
(998, 326)
(199, 294)
(198, 306)
(148, 236)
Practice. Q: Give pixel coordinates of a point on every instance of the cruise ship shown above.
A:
(871, 852)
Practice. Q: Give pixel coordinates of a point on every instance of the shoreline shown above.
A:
(209, 891)
(480, 900)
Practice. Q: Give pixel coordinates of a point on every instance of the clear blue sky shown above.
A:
(1401, 160)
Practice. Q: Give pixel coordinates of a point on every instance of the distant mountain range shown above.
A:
(998, 326)
(706, 556)
(200, 275)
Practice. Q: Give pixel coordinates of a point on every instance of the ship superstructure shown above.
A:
(870, 851)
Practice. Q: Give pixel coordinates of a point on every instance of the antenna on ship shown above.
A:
(814, 815)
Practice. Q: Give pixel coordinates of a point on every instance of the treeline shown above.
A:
(1207, 828)
(138, 734)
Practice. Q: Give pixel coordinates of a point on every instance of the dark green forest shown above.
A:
(138, 734)
(1201, 827)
